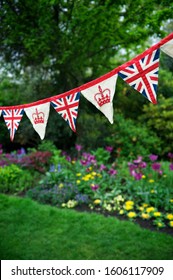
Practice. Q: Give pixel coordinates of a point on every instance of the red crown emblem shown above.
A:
(38, 117)
(103, 96)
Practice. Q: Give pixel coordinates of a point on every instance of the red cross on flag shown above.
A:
(12, 118)
(142, 75)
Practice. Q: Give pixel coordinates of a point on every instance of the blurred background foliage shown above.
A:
(50, 46)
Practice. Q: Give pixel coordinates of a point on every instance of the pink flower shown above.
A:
(109, 149)
(170, 155)
(112, 171)
(153, 157)
(94, 187)
(156, 166)
(78, 147)
(102, 167)
(171, 166)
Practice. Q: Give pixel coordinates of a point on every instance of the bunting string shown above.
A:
(141, 73)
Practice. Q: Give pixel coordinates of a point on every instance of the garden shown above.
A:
(100, 181)
(90, 188)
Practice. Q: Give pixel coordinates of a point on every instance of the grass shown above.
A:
(32, 231)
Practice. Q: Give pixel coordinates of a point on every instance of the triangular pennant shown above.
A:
(142, 75)
(12, 118)
(168, 48)
(38, 116)
(67, 107)
(101, 95)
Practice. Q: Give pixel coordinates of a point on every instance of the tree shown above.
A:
(64, 44)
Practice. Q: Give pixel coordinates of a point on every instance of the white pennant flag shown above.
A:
(38, 116)
(168, 48)
(101, 95)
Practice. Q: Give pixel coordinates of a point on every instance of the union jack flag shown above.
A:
(12, 118)
(143, 75)
(67, 107)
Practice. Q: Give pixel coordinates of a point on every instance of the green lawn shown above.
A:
(29, 230)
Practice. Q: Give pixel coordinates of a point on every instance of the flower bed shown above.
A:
(99, 180)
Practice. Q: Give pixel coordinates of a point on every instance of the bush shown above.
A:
(131, 138)
(14, 180)
(159, 119)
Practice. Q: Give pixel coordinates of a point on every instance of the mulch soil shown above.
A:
(142, 223)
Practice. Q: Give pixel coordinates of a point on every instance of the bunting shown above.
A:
(12, 118)
(67, 107)
(38, 116)
(141, 73)
(168, 48)
(101, 95)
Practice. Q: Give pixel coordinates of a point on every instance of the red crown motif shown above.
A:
(103, 96)
(38, 117)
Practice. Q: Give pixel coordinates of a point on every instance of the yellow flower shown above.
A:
(151, 181)
(152, 191)
(144, 205)
(94, 173)
(71, 203)
(78, 182)
(157, 214)
(164, 175)
(78, 174)
(97, 201)
(169, 216)
(129, 202)
(171, 200)
(73, 161)
(131, 215)
(121, 212)
(129, 205)
(61, 186)
(145, 216)
(143, 176)
(108, 207)
(118, 198)
(150, 209)
(99, 175)
(171, 223)
(141, 208)
(159, 224)
(90, 168)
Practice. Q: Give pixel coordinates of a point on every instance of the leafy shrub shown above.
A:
(13, 179)
(159, 119)
(131, 138)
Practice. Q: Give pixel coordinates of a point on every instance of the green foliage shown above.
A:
(14, 180)
(132, 138)
(62, 234)
(159, 119)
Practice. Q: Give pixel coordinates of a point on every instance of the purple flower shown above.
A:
(109, 149)
(156, 166)
(102, 167)
(153, 157)
(94, 187)
(78, 147)
(171, 166)
(138, 160)
(112, 171)
(143, 164)
(137, 176)
(170, 155)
